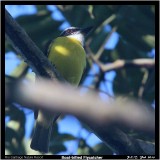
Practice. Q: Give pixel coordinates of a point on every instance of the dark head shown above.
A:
(77, 33)
(74, 30)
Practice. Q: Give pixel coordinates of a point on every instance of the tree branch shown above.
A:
(29, 51)
(41, 95)
(103, 117)
(118, 64)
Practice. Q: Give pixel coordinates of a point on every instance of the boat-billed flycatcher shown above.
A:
(68, 55)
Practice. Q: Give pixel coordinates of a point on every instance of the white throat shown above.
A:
(79, 37)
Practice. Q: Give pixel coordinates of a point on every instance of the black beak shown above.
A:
(86, 31)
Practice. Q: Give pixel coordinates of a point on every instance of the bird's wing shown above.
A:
(47, 47)
(83, 76)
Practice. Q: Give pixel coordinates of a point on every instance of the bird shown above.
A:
(68, 55)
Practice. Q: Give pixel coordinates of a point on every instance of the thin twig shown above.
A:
(101, 48)
(118, 64)
(144, 80)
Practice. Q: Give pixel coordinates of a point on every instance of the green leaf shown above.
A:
(101, 149)
(57, 148)
(62, 137)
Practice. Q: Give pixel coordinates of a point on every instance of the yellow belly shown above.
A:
(69, 58)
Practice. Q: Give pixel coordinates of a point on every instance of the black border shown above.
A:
(156, 3)
(157, 113)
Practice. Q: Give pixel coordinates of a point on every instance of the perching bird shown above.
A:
(68, 55)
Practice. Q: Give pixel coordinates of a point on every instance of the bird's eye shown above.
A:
(68, 32)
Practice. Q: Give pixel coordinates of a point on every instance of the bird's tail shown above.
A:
(41, 138)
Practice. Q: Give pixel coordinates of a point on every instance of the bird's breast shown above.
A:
(69, 57)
